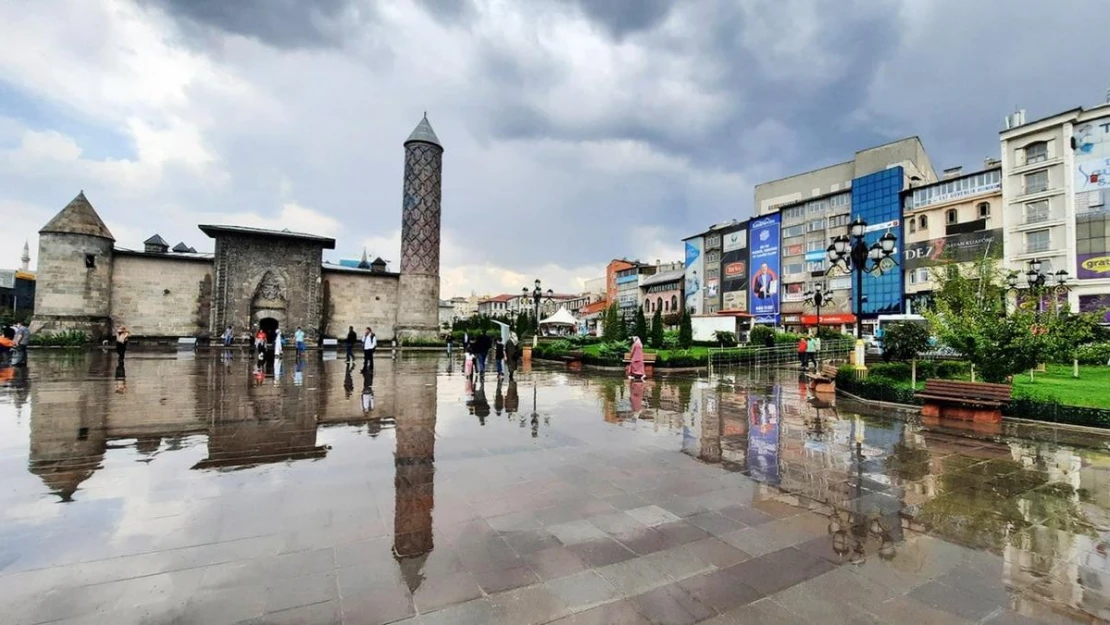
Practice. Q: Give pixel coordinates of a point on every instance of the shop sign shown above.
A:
(1093, 266)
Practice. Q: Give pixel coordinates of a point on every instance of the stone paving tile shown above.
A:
(576, 532)
(671, 605)
(652, 515)
(715, 523)
(327, 613)
(527, 542)
(680, 533)
(677, 563)
(474, 612)
(779, 570)
(763, 612)
(747, 515)
(907, 610)
(646, 541)
(377, 607)
(836, 597)
(956, 601)
(299, 591)
(720, 590)
(634, 576)
(602, 551)
(505, 579)
(716, 552)
(443, 590)
(616, 524)
(528, 606)
(615, 613)
(583, 590)
(555, 562)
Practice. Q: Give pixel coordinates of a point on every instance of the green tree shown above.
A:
(904, 341)
(686, 331)
(657, 330)
(759, 335)
(610, 321)
(1066, 333)
(622, 328)
(641, 329)
(971, 317)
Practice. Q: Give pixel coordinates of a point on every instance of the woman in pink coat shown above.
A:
(636, 366)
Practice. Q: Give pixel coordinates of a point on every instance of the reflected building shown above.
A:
(414, 473)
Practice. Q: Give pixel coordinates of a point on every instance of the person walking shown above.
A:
(481, 352)
(636, 362)
(499, 356)
(812, 345)
(369, 344)
(22, 341)
(802, 357)
(278, 340)
(229, 336)
(122, 336)
(352, 338)
(260, 343)
(512, 353)
(450, 340)
(298, 337)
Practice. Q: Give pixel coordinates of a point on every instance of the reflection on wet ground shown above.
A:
(197, 489)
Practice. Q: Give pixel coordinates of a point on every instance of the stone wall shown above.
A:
(69, 294)
(290, 267)
(161, 295)
(360, 299)
(418, 306)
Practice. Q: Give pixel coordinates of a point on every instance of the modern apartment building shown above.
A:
(1055, 187)
(958, 219)
(816, 206)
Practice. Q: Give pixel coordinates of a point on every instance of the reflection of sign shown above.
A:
(735, 240)
(1095, 304)
(886, 225)
(763, 299)
(956, 248)
(1093, 266)
(763, 437)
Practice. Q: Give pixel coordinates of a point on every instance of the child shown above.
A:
(468, 367)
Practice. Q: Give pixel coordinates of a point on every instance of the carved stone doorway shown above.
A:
(270, 326)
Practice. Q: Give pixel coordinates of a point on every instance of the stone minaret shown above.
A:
(26, 258)
(418, 305)
(74, 278)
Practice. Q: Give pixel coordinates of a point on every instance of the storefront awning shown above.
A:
(829, 320)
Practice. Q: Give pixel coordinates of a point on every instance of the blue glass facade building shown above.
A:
(877, 198)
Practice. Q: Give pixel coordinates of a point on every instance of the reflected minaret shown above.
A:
(414, 476)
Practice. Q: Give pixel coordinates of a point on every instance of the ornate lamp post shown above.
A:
(1040, 283)
(851, 253)
(818, 298)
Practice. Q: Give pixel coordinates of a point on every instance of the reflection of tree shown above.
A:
(991, 504)
(908, 462)
(685, 386)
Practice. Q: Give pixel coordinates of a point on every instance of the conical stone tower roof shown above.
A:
(78, 217)
(424, 133)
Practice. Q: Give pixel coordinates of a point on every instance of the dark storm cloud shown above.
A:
(621, 17)
(279, 23)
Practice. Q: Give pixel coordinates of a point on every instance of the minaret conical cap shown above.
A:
(424, 134)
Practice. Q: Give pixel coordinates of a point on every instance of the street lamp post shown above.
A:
(1040, 283)
(851, 253)
(818, 298)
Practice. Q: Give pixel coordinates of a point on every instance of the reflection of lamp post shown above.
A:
(851, 253)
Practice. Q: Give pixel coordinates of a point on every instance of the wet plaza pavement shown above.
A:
(193, 489)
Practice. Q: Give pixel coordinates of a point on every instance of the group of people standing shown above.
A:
(369, 343)
(13, 345)
(506, 354)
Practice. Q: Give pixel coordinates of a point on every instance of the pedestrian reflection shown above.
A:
(498, 399)
(512, 399)
(367, 391)
(636, 397)
(277, 370)
(481, 404)
(298, 372)
(348, 381)
(121, 378)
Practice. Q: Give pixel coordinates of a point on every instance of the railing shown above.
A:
(1037, 246)
(779, 356)
(1036, 217)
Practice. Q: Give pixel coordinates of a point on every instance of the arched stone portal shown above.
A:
(270, 326)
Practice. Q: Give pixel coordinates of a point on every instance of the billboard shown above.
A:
(763, 296)
(959, 248)
(734, 278)
(736, 240)
(1093, 266)
(7, 279)
(1092, 155)
(1095, 304)
(694, 275)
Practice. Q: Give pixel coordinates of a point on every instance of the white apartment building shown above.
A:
(1055, 186)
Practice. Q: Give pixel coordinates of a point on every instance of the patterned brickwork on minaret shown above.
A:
(420, 215)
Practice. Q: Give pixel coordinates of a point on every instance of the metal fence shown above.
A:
(782, 356)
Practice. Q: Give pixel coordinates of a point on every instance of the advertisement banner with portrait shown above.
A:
(763, 295)
(960, 248)
(694, 275)
(1092, 155)
(734, 279)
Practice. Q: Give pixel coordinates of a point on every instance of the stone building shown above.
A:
(255, 278)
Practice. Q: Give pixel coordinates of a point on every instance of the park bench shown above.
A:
(649, 363)
(824, 379)
(980, 402)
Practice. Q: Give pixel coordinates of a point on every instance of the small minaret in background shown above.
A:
(26, 258)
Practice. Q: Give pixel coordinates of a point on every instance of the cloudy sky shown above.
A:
(575, 130)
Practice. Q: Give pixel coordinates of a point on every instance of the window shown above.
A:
(1037, 241)
(913, 225)
(815, 225)
(797, 212)
(1036, 152)
(90, 261)
(815, 265)
(912, 277)
(1036, 182)
(674, 302)
(794, 268)
(839, 220)
(923, 222)
(1036, 212)
(793, 231)
(918, 276)
(984, 210)
(951, 216)
(658, 303)
(1092, 234)
(815, 246)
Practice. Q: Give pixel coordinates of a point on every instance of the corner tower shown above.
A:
(74, 279)
(418, 305)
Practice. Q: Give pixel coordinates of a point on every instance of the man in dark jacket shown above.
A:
(481, 351)
(352, 338)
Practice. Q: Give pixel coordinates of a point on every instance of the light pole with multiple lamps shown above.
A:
(537, 297)
(1039, 283)
(818, 298)
(851, 253)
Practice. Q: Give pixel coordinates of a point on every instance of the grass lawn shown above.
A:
(695, 351)
(1091, 389)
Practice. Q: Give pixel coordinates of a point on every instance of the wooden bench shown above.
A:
(823, 380)
(573, 360)
(980, 402)
(649, 363)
